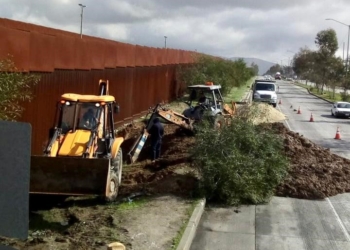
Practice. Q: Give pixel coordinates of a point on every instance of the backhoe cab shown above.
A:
(83, 155)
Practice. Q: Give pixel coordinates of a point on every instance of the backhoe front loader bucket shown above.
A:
(70, 176)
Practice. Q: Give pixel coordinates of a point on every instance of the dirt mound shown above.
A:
(315, 172)
(170, 174)
(260, 113)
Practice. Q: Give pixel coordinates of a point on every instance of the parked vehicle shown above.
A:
(83, 156)
(265, 91)
(278, 76)
(340, 109)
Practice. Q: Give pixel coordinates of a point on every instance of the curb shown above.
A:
(319, 97)
(190, 231)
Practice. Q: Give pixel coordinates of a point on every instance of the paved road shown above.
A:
(287, 223)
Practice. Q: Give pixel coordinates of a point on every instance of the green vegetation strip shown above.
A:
(328, 95)
(237, 93)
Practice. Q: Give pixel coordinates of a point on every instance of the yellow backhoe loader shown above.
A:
(83, 156)
(204, 99)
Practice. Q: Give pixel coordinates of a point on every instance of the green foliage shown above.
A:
(326, 41)
(255, 68)
(15, 87)
(227, 73)
(241, 164)
(274, 69)
(345, 97)
(322, 66)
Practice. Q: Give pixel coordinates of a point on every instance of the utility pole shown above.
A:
(81, 19)
(165, 37)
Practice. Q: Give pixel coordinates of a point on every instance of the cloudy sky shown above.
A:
(271, 30)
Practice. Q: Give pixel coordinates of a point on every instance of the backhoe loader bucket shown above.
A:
(70, 176)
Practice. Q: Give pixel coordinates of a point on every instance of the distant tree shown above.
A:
(322, 66)
(255, 68)
(227, 73)
(327, 43)
(15, 87)
(336, 73)
(274, 69)
(303, 63)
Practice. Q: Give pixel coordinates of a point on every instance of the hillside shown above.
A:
(263, 65)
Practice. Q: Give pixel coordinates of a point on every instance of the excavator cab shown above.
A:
(83, 156)
(207, 99)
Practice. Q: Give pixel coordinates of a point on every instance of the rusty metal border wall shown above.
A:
(139, 76)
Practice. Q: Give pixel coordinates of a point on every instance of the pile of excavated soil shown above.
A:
(315, 172)
(260, 113)
(170, 174)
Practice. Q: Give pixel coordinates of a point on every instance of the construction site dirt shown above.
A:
(161, 194)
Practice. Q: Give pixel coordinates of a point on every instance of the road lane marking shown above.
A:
(285, 120)
(343, 228)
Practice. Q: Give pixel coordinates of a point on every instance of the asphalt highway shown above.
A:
(287, 223)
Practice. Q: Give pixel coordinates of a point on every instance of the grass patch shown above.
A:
(237, 93)
(328, 95)
(129, 205)
(178, 237)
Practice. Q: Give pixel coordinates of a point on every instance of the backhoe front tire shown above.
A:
(219, 121)
(112, 188)
(115, 176)
(117, 165)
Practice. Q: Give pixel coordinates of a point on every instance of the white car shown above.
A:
(341, 109)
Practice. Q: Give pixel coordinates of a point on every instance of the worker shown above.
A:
(89, 119)
(203, 99)
(156, 131)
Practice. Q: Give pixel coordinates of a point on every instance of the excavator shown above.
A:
(83, 155)
(210, 103)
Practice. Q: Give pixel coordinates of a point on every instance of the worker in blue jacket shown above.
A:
(156, 131)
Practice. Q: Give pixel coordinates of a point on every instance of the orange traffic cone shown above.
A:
(311, 118)
(337, 135)
(280, 102)
(299, 112)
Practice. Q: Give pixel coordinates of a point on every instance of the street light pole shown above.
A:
(165, 37)
(347, 51)
(81, 19)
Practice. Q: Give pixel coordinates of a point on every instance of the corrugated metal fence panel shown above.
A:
(139, 76)
(64, 52)
(110, 55)
(121, 55)
(72, 52)
(135, 89)
(15, 43)
(42, 52)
